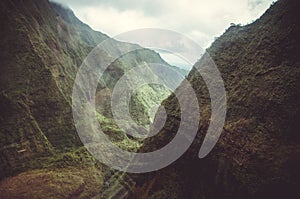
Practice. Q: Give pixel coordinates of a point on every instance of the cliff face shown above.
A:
(42, 46)
(257, 155)
(33, 94)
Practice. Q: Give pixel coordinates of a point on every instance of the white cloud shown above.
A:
(201, 20)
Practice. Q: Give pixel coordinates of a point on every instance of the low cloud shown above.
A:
(201, 20)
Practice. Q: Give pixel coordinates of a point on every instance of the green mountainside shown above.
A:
(43, 44)
(41, 156)
(257, 155)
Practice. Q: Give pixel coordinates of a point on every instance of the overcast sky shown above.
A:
(201, 20)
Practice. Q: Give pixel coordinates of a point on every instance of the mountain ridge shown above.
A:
(43, 46)
(256, 155)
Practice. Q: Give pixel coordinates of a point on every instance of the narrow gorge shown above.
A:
(41, 155)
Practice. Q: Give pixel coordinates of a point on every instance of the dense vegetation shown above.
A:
(42, 46)
(41, 156)
(258, 153)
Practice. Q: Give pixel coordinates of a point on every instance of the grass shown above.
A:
(70, 182)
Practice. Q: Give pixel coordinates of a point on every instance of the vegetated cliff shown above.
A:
(257, 155)
(42, 46)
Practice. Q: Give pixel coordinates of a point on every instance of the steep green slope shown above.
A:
(42, 46)
(258, 153)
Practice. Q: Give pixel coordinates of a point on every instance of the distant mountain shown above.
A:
(258, 153)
